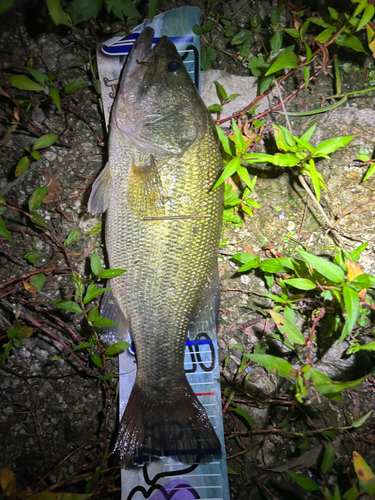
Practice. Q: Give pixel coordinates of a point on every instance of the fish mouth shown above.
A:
(141, 57)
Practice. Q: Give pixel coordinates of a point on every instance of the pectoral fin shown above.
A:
(99, 197)
(145, 193)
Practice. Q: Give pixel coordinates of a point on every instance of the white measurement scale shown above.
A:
(167, 479)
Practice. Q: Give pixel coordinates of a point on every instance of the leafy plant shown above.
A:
(340, 288)
(83, 10)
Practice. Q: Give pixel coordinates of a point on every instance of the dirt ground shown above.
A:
(54, 411)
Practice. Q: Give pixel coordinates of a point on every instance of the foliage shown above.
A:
(83, 10)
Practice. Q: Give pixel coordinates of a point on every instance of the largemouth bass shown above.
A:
(163, 226)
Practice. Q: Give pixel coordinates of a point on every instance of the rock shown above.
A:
(244, 85)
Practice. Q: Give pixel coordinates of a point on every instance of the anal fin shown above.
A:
(207, 320)
(110, 309)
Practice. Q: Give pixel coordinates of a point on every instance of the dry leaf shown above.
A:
(54, 188)
(30, 288)
(354, 269)
(7, 480)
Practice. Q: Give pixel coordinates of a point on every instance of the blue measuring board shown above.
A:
(166, 478)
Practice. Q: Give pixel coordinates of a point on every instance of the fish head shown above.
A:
(157, 106)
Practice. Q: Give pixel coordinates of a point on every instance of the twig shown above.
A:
(251, 447)
(22, 177)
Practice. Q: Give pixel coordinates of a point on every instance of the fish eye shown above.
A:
(174, 68)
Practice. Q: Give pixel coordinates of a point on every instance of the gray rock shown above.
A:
(244, 85)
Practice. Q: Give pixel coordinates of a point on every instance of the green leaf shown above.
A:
(221, 91)
(360, 421)
(5, 5)
(238, 139)
(72, 236)
(57, 14)
(232, 97)
(39, 219)
(45, 141)
(276, 42)
(35, 155)
(331, 145)
(93, 292)
(328, 458)
(4, 231)
(333, 389)
(68, 305)
(244, 258)
(116, 348)
(96, 265)
(38, 281)
(363, 281)
(23, 82)
(111, 273)
(152, 8)
(231, 471)
(242, 37)
(287, 328)
(301, 283)
(370, 172)
(306, 74)
(54, 93)
(38, 75)
(216, 108)
(227, 144)
(242, 413)
(83, 10)
(351, 301)
(279, 264)
(84, 345)
(286, 60)
(273, 364)
(251, 264)
(244, 175)
(355, 254)
(208, 54)
(315, 179)
(351, 494)
(325, 35)
(230, 169)
(305, 482)
(333, 13)
(37, 197)
(367, 16)
(367, 347)
(324, 267)
(351, 41)
(103, 322)
(73, 86)
(122, 8)
(32, 257)
(308, 134)
(284, 160)
(93, 314)
(22, 166)
(97, 360)
(284, 139)
(292, 32)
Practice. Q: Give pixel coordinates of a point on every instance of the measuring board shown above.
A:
(167, 478)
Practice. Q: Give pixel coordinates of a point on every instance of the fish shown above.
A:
(163, 224)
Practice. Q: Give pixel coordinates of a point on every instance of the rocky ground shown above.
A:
(53, 408)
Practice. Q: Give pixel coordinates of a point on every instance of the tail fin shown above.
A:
(176, 426)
